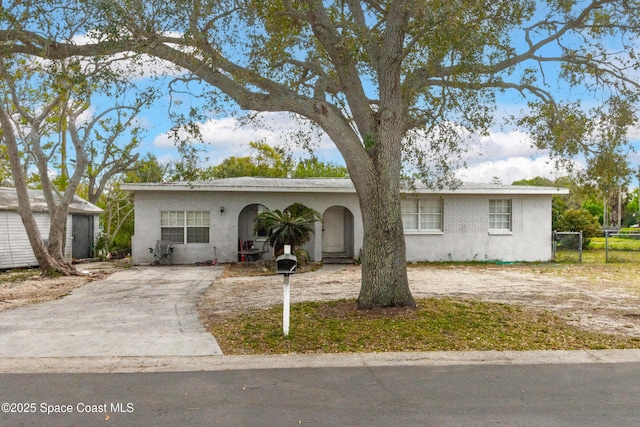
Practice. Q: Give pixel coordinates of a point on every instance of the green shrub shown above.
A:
(291, 226)
(580, 220)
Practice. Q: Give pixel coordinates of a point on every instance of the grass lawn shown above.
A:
(615, 243)
(437, 324)
(620, 251)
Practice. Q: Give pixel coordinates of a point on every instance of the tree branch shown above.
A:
(362, 29)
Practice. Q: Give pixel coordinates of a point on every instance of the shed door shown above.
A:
(82, 246)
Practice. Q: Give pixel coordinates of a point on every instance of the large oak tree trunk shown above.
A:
(384, 269)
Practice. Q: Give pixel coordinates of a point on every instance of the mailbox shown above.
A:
(286, 264)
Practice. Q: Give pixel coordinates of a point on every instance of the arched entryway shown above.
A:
(337, 235)
(250, 239)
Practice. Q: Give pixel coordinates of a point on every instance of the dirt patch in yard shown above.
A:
(25, 286)
(603, 303)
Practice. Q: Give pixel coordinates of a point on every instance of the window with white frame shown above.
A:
(500, 215)
(422, 214)
(184, 226)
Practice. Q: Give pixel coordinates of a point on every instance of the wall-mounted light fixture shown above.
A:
(221, 210)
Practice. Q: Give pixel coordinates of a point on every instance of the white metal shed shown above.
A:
(15, 249)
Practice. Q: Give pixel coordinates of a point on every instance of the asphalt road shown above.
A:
(472, 395)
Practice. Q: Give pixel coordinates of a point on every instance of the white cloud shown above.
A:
(511, 157)
(511, 169)
(501, 145)
(508, 156)
(132, 65)
(87, 115)
(129, 65)
(634, 133)
(227, 137)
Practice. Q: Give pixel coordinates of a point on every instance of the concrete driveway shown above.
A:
(143, 311)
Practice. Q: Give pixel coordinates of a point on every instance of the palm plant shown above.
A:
(291, 226)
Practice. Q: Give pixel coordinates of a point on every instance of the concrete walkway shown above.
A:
(143, 311)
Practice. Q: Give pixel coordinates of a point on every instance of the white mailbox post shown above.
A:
(286, 264)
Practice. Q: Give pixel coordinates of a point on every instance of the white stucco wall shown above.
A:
(224, 226)
(465, 234)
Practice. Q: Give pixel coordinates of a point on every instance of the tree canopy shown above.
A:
(267, 161)
(274, 162)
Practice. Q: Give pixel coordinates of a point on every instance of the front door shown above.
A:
(333, 231)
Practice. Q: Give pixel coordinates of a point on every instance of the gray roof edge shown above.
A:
(9, 202)
(326, 185)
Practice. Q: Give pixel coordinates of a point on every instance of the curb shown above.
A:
(128, 364)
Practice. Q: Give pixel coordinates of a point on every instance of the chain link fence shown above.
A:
(567, 246)
(614, 246)
(621, 246)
